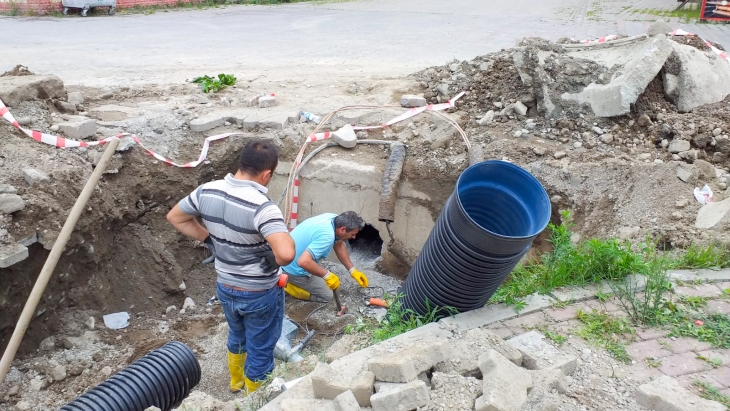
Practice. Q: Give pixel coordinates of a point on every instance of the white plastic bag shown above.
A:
(117, 321)
(704, 196)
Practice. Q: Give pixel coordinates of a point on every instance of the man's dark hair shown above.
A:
(258, 156)
(350, 220)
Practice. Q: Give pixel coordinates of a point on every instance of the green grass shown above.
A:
(690, 12)
(713, 329)
(709, 392)
(595, 261)
(606, 331)
(398, 320)
(714, 362)
(553, 336)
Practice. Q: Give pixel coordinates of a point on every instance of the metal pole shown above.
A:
(52, 260)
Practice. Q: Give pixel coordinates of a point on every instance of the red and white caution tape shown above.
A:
(326, 135)
(601, 40)
(722, 54)
(68, 143)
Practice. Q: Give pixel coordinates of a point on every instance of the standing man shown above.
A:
(315, 238)
(249, 240)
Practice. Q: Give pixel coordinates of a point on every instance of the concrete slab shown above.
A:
(695, 78)
(12, 254)
(538, 354)
(16, 89)
(666, 394)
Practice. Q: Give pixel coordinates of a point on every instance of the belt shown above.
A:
(230, 287)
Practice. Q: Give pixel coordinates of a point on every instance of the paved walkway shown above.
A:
(306, 42)
(653, 353)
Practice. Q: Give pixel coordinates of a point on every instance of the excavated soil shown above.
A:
(124, 256)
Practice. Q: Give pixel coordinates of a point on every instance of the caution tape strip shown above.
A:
(326, 135)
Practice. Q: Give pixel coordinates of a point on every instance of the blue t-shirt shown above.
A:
(316, 235)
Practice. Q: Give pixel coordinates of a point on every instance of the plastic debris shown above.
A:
(117, 321)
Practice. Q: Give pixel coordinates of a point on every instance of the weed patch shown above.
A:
(709, 392)
(713, 329)
(606, 331)
(553, 336)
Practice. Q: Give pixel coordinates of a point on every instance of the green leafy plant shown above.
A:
(694, 302)
(604, 330)
(553, 336)
(714, 362)
(211, 84)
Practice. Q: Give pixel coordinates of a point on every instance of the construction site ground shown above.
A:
(134, 73)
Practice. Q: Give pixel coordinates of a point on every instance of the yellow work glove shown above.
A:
(332, 281)
(359, 277)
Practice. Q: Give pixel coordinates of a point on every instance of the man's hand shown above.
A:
(209, 243)
(358, 276)
(268, 259)
(332, 281)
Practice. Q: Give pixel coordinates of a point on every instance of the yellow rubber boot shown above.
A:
(297, 292)
(252, 386)
(235, 367)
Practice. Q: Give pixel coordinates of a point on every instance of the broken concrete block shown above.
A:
(207, 122)
(33, 176)
(10, 203)
(65, 107)
(714, 216)
(511, 353)
(267, 101)
(14, 89)
(411, 100)
(327, 384)
(520, 108)
(7, 189)
(678, 146)
(78, 130)
(644, 61)
(463, 358)
(409, 396)
(666, 394)
(75, 98)
(695, 78)
(541, 400)
(505, 385)
(684, 174)
(550, 379)
(113, 112)
(537, 354)
(488, 118)
(12, 253)
(346, 402)
(341, 347)
(405, 365)
(345, 137)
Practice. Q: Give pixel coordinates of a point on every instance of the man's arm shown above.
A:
(186, 224)
(342, 255)
(283, 247)
(309, 265)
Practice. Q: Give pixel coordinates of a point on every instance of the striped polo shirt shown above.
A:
(239, 216)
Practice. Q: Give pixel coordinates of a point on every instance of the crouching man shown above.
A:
(249, 240)
(315, 238)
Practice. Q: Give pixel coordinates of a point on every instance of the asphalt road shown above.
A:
(377, 38)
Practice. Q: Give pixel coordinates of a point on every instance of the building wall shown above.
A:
(46, 6)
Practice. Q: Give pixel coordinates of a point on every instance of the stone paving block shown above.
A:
(408, 396)
(702, 290)
(206, 122)
(490, 314)
(681, 345)
(505, 385)
(33, 176)
(718, 307)
(564, 314)
(502, 332)
(464, 351)
(702, 275)
(609, 306)
(538, 354)
(411, 100)
(647, 349)
(526, 322)
(511, 353)
(721, 375)
(405, 365)
(303, 404)
(346, 402)
(568, 294)
(650, 333)
(666, 394)
(78, 130)
(566, 327)
(724, 287)
(681, 364)
(640, 372)
(12, 253)
(267, 101)
(10, 203)
(328, 384)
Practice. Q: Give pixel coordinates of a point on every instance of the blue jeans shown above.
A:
(254, 321)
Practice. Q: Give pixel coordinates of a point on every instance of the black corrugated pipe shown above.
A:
(163, 378)
(486, 226)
